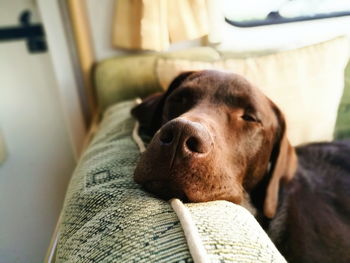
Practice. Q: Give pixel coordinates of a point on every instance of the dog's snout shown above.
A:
(186, 137)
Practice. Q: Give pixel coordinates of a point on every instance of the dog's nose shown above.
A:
(186, 137)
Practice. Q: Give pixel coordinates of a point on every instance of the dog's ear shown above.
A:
(283, 164)
(149, 111)
(146, 111)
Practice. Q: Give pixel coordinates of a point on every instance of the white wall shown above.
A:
(100, 15)
(39, 159)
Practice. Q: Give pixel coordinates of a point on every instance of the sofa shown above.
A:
(107, 217)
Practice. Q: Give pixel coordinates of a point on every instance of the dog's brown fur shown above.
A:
(216, 137)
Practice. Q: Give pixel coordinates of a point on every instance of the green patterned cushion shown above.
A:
(109, 218)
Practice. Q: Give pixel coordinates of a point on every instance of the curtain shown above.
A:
(155, 24)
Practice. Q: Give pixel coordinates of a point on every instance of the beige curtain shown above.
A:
(155, 24)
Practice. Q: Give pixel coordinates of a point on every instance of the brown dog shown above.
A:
(216, 137)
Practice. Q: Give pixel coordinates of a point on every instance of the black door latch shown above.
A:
(33, 34)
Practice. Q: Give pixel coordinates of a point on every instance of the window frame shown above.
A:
(274, 18)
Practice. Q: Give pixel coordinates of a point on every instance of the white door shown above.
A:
(39, 157)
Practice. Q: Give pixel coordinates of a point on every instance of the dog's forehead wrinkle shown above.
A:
(234, 99)
(234, 91)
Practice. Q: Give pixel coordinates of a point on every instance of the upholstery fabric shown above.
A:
(126, 77)
(109, 218)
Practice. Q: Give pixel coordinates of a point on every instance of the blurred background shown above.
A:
(45, 111)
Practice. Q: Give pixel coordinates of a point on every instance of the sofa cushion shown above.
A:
(109, 218)
(342, 128)
(126, 77)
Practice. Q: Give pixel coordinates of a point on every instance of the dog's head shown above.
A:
(215, 137)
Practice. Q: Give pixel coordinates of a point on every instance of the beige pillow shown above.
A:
(306, 84)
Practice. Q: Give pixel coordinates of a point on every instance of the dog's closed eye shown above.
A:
(249, 118)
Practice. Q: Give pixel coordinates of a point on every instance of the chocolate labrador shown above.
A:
(216, 137)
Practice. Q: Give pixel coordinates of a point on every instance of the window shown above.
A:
(251, 13)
